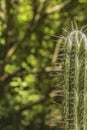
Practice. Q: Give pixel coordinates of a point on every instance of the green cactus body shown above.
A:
(66, 88)
(75, 78)
(82, 84)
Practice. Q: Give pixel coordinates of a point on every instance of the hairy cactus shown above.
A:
(74, 68)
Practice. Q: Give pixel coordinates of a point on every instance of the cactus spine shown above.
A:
(75, 81)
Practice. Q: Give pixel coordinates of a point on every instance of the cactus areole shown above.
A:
(75, 81)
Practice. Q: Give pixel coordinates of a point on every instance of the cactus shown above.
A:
(82, 84)
(74, 72)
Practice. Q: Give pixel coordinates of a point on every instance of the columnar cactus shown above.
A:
(75, 81)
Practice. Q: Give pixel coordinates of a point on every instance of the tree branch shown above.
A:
(22, 72)
(32, 27)
(58, 7)
(56, 52)
(30, 105)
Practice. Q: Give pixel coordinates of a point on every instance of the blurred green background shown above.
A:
(27, 58)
